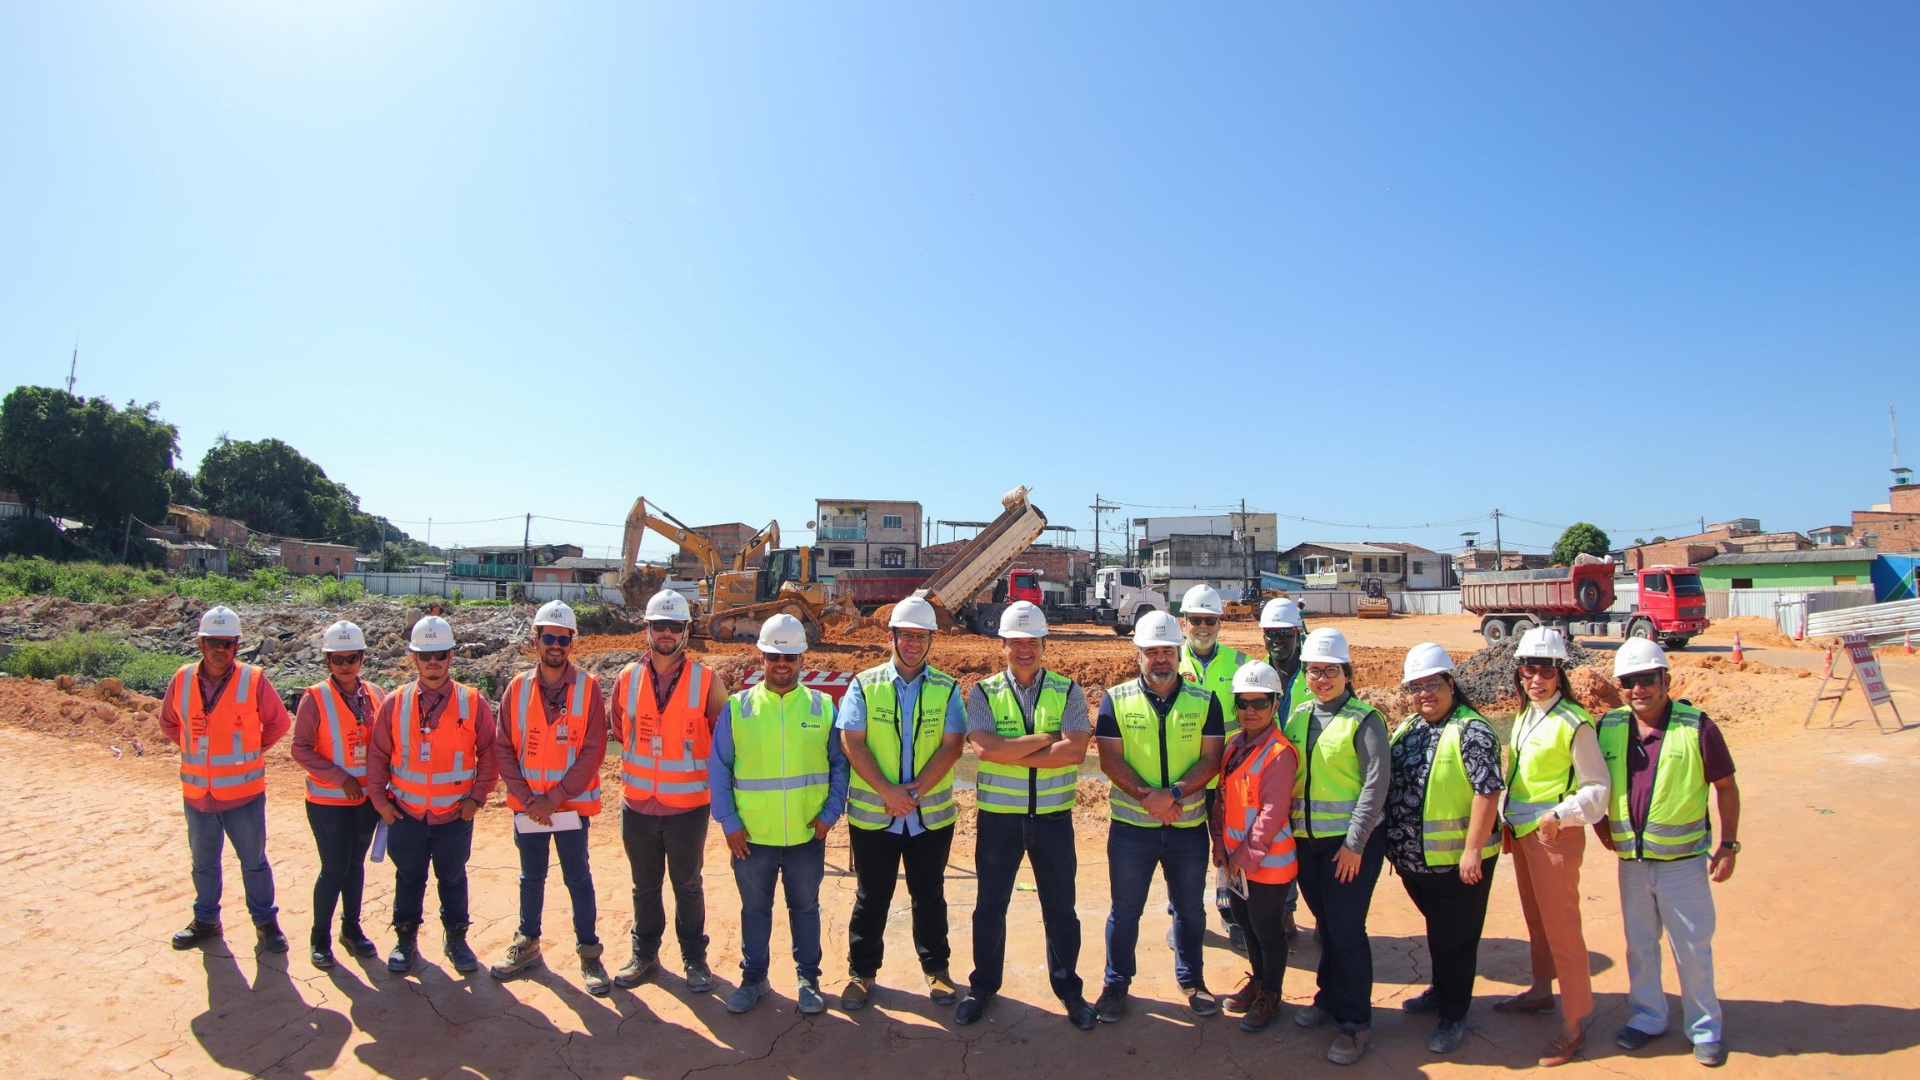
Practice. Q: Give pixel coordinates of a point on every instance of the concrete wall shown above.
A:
(1784, 575)
(301, 557)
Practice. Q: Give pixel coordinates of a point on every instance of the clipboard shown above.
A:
(562, 821)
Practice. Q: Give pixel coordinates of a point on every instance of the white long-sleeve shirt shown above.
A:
(1588, 801)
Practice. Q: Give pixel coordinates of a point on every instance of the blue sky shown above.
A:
(1370, 264)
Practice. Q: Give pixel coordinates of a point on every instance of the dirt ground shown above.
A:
(87, 912)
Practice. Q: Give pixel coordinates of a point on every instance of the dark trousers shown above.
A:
(1182, 856)
(574, 870)
(342, 835)
(799, 870)
(414, 845)
(1455, 912)
(673, 846)
(877, 858)
(1046, 841)
(1262, 916)
(207, 834)
(1340, 914)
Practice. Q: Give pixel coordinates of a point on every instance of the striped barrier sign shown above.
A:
(831, 683)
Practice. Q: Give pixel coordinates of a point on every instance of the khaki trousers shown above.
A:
(1549, 876)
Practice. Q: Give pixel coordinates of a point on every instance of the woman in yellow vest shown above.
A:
(1339, 798)
(1253, 838)
(1556, 783)
(1442, 811)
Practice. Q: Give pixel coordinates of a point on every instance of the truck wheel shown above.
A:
(1122, 629)
(1640, 628)
(1521, 625)
(1674, 644)
(1494, 631)
(1587, 596)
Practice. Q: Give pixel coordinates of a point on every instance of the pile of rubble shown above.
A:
(1487, 676)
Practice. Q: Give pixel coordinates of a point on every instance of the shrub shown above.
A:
(94, 656)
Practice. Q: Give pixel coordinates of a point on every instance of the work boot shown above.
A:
(356, 940)
(463, 959)
(635, 971)
(195, 933)
(593, 972)
(1289, 927)
(521, 955)
(941, 988)
(1111, 1005)
(1242, 999)
(270, 937)
(322, 957)
(857, 994)
(406, 949)
(699, 978)
(1261, 1011)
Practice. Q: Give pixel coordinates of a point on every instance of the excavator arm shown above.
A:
(766, 539)
(637, 582)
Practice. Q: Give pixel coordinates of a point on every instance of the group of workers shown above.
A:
(1306, 794)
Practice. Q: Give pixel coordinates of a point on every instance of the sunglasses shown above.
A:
(220, 642)
(1427, 686)
(345, 659)
(1545, 667)
(1203, 620)
(562, 640)
(1318, 671)
(778, 658)
(1253, 704)
(666, 626)
(440, 657)
(1649, 679)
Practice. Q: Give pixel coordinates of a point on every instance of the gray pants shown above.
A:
(672, 848)
(1677, 898)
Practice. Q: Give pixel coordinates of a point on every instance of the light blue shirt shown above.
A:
(720, 772)
(853, 717)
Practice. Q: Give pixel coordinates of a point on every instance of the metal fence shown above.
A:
(1787, 607)
(1347, 602)
(384, 584)
(1879, 622)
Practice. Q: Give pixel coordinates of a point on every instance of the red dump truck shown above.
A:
(1672, 607)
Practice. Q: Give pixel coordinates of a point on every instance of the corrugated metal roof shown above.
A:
(1352, 549)
(572, 562)
(1775, 558)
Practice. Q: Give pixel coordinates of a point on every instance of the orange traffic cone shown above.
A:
(1826, 669)
(1909, 643)
(1739, 654)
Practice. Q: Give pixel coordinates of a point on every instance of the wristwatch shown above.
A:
(1730, 845)
(1174, 788)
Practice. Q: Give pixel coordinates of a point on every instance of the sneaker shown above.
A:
(1311, 1016)
(521, 955)
(636, 969)
(699, 979)
(271, 939)
(1632, 1038)
(942, 989)
(357, 942)
(1080, 1014)
(1242, 999)
(1447, 1036)
(195, 933)
(855, 996)
(323, 958)
(747, 996)
(809, 998)
(1260, 1012)
(972, 1008)
(1348, 1047)
(1201, 1000)
(1422, 1003)
(406, 949)
(1711, 1054)
(1112, 1004)
(593, 973)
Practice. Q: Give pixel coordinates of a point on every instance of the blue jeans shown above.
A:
(1046, 842)
(1183, 856)
(207, 834)
(1675, 897)
(414, 845)
(802, 867)
(572, 846)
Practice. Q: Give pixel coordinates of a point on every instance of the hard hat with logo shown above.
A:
(668, 606)
(1423, 660)
(1257, 677)
(1636, 655)
(783, 634)
(343, 637)
(220, 621)
(431, 634)
(1542, 643)
(1280, 613)
(913, 613)
(1023, 619)
(1201, 600)
(1156, 629)
(556, 613)
(1325, 646)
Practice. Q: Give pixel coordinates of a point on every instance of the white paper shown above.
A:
(380, 841)
(563, 821)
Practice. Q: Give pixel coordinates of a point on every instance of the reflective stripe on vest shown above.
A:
(646, 772)
(1326, 787)
(1010, 789)
(545, 766)
(864, 808)
(450, 768)
(780, 769)
(1447, 805)
(1540, 772)
(1160, 749)
(238, 770)
(1218, 678)
(338, 728)
(1239, 810)
(1677, 824)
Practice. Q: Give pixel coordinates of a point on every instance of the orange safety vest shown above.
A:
(1239, 811)
(222, 752)
(342, 739)
(546, 751)
(682, 731)
(432, 770)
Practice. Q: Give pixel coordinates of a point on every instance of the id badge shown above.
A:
(658, 748)
(426, 753)
(560, 733)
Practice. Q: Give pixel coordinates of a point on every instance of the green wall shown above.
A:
(1785, 575)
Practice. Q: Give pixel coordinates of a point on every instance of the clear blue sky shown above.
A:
(1630, 263)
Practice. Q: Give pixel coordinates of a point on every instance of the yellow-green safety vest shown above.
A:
(1010, 789)
(1217, 678)
(1448, 805)
(1540, 771)
(1160, 750)
(780, 772)
(864, 807)
(1326, 789)
(1677, 824)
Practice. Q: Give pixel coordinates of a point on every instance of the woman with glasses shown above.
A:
(330, 742)
(1339, 797)
(1442, 809)
(1556, 783)
(1253, 838)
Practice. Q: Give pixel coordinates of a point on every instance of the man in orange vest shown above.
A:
(330, 742)
(430, 767)
(664, 707)
(555, 722)
(224, 716)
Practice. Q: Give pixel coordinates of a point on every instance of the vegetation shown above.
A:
(99, 583)
(85, 459)
(94, 656)
(1580, 539)
(276, 489)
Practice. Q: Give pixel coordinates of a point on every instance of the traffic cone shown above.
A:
(1739, 655)
(1826, 669)
(1909, 642)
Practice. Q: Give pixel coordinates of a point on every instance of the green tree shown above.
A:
(86, 459)
(1580, 539)
(182, 489)
(276, 489)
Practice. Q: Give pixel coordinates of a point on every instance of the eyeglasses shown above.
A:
(1431, 685)
(345, 659)
(440, 657)
(1260, 704)
(220, 642)
(1202, 620)
(1648, 679)
(562, 640)
(1323, 671)
(666, 626)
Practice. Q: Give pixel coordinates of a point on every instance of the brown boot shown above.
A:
(1242, 999)
(1261, 1013)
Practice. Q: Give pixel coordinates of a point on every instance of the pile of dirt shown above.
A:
(105, 713)
(1487, 675)
(1755, 631)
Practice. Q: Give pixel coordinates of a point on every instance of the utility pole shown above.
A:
(73, 373)
(1245, 546)
(126, 542)
(429, 532)
(1499, 559)
(1099, 507)
(526, 548)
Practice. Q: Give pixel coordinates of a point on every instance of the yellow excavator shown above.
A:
(736, 600)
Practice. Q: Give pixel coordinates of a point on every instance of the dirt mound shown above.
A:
(104, 713)
(1756, 631)
(1487, 675)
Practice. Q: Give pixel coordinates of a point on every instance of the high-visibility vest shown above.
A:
(1677, 825)
(1240, 808)
(433, 770)
(1448, 802)
(664, 754)
(1010, 789)
(1218, 678)
(342, 739)
(780, 771)
(1540, 771)
(1326, 787)
(1161, 751)
(222, 753)
(864, 807)
(546, 750)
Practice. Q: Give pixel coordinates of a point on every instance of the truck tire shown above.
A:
(1676, 643)
(1642, 629)
(1494, 631)
(1522, 624)
(1587, 597)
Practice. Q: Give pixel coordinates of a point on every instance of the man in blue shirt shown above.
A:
(902, 727)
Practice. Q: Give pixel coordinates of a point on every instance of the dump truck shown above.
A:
(972, 587)
(1119, 597)
(1576, 600)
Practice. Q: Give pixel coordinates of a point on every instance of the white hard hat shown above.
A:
(556, 613)
(1023, 619)
(913, 613)
(1636, 655)
(1542, 643)
(220, 621)
(1325, 646)
(1257, 677)
(1280, 613)
(668, 606)
(343, 637)
(1201, 600)
(783, 634)
(431, 634)
(1423, 660)
(1156, 629)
